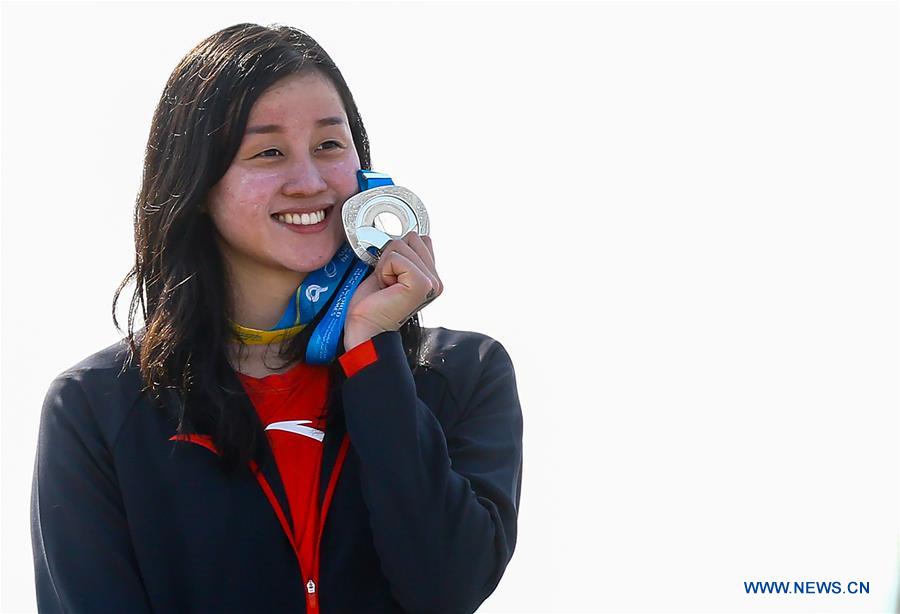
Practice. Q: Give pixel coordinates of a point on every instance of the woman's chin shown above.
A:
(310, 263)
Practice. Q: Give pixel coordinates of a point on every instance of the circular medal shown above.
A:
(376, 216)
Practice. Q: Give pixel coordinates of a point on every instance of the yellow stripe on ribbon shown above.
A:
(252, 336)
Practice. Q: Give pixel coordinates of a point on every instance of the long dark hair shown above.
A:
(180, 280)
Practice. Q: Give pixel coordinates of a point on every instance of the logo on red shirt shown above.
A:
(297, 426)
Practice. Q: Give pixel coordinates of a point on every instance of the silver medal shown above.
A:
(375, 217)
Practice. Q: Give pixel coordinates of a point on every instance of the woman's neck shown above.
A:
(258, 360)
(260, 295)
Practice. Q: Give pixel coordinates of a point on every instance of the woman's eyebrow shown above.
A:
(270, 128)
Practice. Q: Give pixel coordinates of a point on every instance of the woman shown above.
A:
(203, 464)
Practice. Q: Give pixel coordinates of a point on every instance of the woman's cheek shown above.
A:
(343, 173)
(254, 196)
(237, 217)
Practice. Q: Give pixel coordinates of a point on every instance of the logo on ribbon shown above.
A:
(330, 269)
(314, 291)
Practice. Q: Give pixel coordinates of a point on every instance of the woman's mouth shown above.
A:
(313, 221)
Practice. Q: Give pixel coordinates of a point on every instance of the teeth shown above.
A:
(304, 219)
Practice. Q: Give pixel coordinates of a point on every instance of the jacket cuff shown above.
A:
(359, 357)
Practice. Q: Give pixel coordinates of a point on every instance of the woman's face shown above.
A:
(296, 159)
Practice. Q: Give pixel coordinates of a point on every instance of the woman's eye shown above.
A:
(335, 144)
(262, 154)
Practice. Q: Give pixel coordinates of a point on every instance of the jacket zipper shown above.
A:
(312, 602)
(312, 584)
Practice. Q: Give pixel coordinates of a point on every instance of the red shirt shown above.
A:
(292, 407)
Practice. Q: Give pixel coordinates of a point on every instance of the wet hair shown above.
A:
(181, 286)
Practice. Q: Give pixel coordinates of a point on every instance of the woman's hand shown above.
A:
(404, 281)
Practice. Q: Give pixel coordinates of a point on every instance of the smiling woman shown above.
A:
(274, 208)
(203, 477)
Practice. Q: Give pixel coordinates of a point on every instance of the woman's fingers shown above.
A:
(398, 270)
(418, 245)
(422, 247)
(398, 247)
(401, 271)
(427, 241)
(403, 282)
(413, 249)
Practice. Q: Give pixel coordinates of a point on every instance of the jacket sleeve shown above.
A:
(442, 506)
(83, 558)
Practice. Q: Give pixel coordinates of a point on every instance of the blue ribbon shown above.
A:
(366, 180)
(322, 346)
(316, 289)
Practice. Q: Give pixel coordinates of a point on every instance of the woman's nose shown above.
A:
(304, 179)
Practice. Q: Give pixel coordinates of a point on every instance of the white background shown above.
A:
(679, 218)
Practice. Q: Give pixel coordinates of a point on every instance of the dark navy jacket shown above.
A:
(423, 515)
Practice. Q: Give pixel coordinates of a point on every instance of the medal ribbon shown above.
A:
(314, 293)
(322, 345)
(316, 290)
